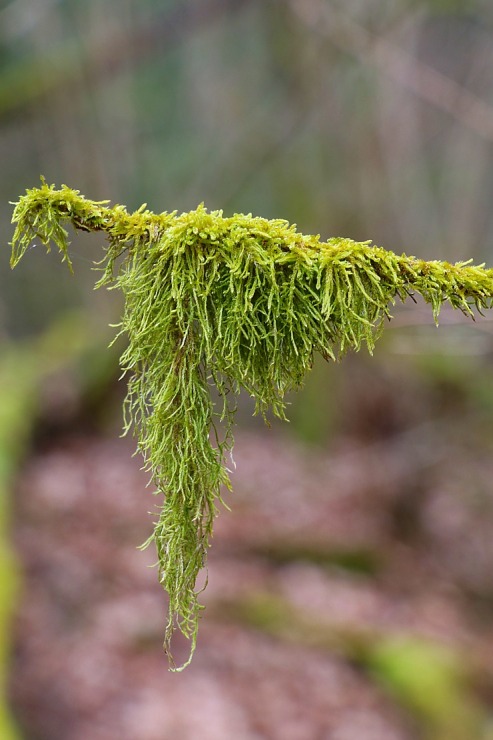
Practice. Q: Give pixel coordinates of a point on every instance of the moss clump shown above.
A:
(238, 302)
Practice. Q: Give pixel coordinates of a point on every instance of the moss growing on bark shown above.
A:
(238, 302)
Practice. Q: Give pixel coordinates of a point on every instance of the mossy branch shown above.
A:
(239, 302)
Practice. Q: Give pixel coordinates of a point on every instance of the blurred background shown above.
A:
(350, 590)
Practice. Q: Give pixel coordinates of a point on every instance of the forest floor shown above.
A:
(350, 596)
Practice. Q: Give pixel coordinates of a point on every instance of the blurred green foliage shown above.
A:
(431, 681)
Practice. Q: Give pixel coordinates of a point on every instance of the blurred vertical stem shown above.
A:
(22, 370)
(16, 408)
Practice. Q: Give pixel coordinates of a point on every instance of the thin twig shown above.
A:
(423, 80)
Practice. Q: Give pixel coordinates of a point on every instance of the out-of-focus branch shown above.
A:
(422, 79)
(61, 67)
(20, 17)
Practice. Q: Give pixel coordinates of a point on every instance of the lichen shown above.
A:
(233, 303)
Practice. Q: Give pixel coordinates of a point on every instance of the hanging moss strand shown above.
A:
(239, 302)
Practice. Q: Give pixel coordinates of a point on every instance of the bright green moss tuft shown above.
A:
(238, 302)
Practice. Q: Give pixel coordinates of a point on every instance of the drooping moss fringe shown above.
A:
(237, 302)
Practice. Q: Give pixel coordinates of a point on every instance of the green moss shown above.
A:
(238, 302)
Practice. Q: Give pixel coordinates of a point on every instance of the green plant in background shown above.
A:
(230, 303)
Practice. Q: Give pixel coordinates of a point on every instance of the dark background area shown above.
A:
(350, 591)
